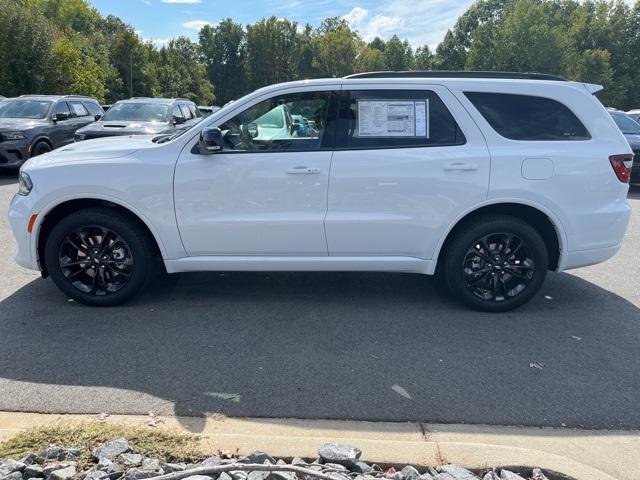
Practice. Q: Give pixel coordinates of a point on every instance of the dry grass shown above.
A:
(163, 444)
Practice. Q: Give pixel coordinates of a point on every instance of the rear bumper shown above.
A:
(584, 258)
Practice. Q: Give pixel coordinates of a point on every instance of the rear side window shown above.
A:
(94, 108)
(396, 119)
(186, 113)
(527, 117)
(194, 111)
(79, 109)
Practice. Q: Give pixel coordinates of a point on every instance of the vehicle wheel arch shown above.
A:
(42, 138)
(547, 224)
(68, 206)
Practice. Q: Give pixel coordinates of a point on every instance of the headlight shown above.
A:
(25, 185)
(13, 136)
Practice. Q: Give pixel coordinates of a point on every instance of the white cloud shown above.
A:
(158, 42)
(422, 23)
(181, 1)
(356, 15)
(195, 24)
(370, 27)
(146, 2)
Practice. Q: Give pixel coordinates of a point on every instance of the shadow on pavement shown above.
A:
(367, 346)
(7, 177)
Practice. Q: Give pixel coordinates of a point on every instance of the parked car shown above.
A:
(487, 180)
(634, 114)
(205, 111)
(31, 125)
(142, 116)
(2, 98)
(631, 131)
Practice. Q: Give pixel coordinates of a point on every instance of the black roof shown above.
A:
(458, 74)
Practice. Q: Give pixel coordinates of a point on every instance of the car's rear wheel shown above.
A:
(100, 256)
(495, 263)
(40, 148)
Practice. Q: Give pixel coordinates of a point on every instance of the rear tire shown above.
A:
(100, 256)
(495, 263)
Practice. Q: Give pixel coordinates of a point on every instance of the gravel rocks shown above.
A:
(339, 453)
(112, 449)
(115, 460)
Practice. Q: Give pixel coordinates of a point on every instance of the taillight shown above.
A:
(622, 166)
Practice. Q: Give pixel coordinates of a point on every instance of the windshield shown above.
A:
(136, 111)
(626, 124)
(24, 108)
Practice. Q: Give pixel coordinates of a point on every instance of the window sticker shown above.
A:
(393, 118)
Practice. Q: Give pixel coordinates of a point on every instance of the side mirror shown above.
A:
(97, 117)
(210, 141)
(295, 127)
(178, 119)
(60, 116)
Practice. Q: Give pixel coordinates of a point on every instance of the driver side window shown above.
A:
(298, 121)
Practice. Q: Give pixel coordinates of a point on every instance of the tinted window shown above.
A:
(79, 109)
(625, 123)
(525, 117)
(93, 108)
(175, 111)
(24, 108)
(62, 107)
(396, 118)
(194, 111)
(137, 111)
(186, 113)
(268, 125)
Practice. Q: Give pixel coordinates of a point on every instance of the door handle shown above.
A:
(458, 166)
(303, 171)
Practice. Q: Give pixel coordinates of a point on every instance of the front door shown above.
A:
(265, 193)
(407, 163)
(62, 131)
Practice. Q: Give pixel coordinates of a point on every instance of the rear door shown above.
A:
(62, 131)
(408, 162)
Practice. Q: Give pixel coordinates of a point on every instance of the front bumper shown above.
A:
(14, 152)
(20, 210)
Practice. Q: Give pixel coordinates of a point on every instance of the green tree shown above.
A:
(370, 60)
(397, 54)
(423, 58)
(223, 49)
(337, 48)
(271, 47)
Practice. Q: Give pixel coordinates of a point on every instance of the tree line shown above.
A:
(67, 46)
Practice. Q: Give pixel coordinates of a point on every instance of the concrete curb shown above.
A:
(582, 454)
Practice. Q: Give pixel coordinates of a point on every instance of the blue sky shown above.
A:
(420, 21)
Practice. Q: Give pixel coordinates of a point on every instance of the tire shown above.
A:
(503, 274)
(100, 256)
(40, 147)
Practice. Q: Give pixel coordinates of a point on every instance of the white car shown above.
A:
(486, 180)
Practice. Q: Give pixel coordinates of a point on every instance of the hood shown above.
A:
(19, 124)
(116, 128)
(90, 150)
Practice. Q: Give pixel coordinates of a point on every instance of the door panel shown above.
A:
(401, 200)
(263, 194)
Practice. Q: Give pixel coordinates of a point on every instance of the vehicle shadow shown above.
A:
(367, 346)
(7, 177)
(634, 191)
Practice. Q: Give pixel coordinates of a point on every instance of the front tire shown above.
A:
(40, 148)
(495, 263)
(100, 256)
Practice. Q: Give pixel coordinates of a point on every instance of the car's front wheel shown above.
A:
(495, 263)
(100, 256)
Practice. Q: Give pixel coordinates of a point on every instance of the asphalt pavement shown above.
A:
(362, 346)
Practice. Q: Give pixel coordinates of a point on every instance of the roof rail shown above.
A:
(458, 74)
(77, 96)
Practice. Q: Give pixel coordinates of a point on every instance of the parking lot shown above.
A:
(371, 346)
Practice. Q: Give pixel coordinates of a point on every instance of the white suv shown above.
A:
(486, 180)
